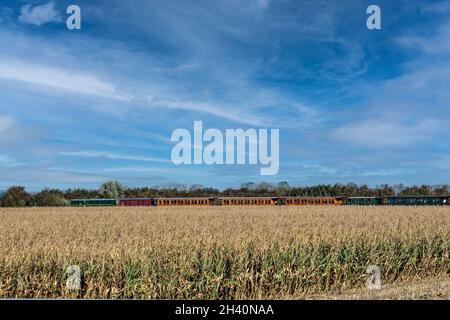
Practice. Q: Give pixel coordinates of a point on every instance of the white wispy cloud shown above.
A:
(91, 85)
(27, 175)
(385, 132)
(5, 123)
(144, 170)
(263, 4)
(439, 43)
(435, 7)
(40, 14)
(57, 78)
(111, 155)
(8, 161)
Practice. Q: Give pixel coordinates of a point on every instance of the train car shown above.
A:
(161, 202)
(136, 202)
(363, 201)
(415, 201)
(310, 201)
(246, 201)
(93, 202)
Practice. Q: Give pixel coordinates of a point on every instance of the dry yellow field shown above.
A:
(221, 252)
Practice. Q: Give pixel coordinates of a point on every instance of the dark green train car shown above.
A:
(363, 201)
(415, 201)
(93, 202)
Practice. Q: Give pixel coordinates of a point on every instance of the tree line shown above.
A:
(17, 196)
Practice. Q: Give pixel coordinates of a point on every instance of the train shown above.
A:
(265, 201)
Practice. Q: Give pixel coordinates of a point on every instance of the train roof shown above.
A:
(300, 197)
(414, 197)
(183, 198)
(247, 197)
(93, 199)
(363, 197)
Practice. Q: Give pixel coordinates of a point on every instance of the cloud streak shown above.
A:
(111, 155)
(57, 78)
(39, 15)
(385, 133)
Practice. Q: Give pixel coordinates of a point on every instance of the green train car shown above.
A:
(415, 201)
(93, 202)
(363, 201)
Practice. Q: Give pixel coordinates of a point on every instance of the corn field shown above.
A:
(217, 252)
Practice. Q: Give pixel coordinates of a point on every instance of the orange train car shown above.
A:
(246, 201)
(311, 201)
(161, 202)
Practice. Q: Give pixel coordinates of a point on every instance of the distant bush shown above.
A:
(50, 198)
(16, 197)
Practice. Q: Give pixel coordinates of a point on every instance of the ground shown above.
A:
(225, 252)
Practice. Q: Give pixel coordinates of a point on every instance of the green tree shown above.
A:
(16, 197)
(283, 188)
(112, 189)
(50, 198)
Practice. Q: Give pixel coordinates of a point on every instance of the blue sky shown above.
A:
(81, 107)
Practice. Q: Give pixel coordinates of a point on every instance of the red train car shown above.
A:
(136, 202)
